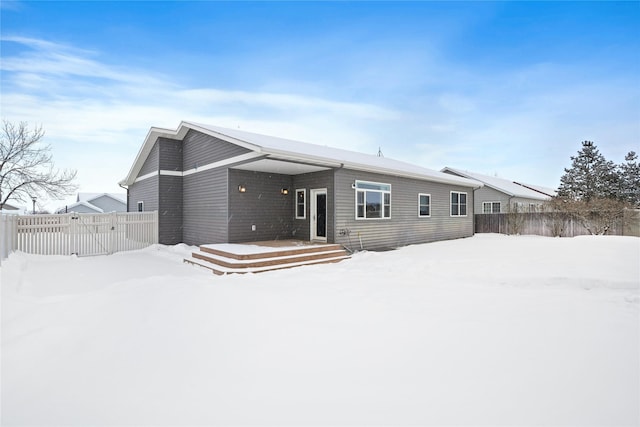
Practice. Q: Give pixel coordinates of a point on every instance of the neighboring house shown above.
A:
(97, 203)
(217, 185)
(500, 195)
(11, 210)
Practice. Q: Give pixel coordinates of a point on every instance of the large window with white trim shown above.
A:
(491, 207)
(458, 203)
(424, 205)
(373, 200)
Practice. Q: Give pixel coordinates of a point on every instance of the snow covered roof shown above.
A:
(540, 189)
(85, 199)
(506, 186)
(88, 197)
(275, 148)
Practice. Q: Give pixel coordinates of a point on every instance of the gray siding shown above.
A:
(488, 194)
(205, 207)
(261, 205)
(170, 154)
(200, 149)
(151, 163)
(309, 181)
(108, 204)
(170, 212)
(145, 191)
(404, 227)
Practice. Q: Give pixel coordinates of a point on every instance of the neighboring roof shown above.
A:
(544, 190)
(9, 207)
(88, 197)
(85, 199)
(506, 186)
(71, 208)
(275, 148)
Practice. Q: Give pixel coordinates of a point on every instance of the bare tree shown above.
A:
(26, 166)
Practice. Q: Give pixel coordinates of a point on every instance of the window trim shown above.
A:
(140, 206)
(491, 204)
(382, 193)
(419, 205)
(304, 203)
(466, 204)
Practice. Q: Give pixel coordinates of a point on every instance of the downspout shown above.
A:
(126, 188)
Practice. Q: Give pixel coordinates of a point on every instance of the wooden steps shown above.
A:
(264, 256)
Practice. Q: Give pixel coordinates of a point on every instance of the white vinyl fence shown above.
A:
(77, 234)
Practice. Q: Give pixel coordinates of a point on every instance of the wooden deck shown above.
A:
(257, 257)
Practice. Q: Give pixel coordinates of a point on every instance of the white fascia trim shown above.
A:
(214, 165)
(147, 176)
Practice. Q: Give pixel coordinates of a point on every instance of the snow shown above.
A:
(489, 330)
(504, 185)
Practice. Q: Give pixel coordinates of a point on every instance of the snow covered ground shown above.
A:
(490, 330)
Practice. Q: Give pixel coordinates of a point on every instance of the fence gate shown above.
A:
(80, 234)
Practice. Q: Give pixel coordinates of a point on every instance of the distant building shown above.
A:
(10, 209)
(97, 203)
(499, 195)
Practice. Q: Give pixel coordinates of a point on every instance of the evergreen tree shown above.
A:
(590, 176)
(630, 179)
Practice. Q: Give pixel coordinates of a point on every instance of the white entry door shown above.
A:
(319, 214)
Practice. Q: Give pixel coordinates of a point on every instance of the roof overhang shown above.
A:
(287, 161)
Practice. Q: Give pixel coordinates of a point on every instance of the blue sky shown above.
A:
(502, 88)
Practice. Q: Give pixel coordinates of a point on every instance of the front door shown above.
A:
(319, 214)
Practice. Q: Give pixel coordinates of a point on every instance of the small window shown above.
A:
(533, 207)
(301, 204)
(424, 205)
(140, 206)
(373, 200)
(458, 203)
(491, 207)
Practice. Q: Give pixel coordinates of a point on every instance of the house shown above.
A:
(11, 210)
(214, 185)
(500, 195)
(97, 203)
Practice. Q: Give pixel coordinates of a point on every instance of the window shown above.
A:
(301, 204)
(458, 204)
(373, 200)
(140, 206)
(533, 207)
(424, 205)
(491, 207)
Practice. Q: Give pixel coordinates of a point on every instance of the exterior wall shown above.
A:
(199, 149)
(144, 191)
(108, 204)
(487, 194)
(404, 227)
(170, 212)
(261, 205)
(151, 163)
(205, 201)
(170, 154)
(309, 181)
